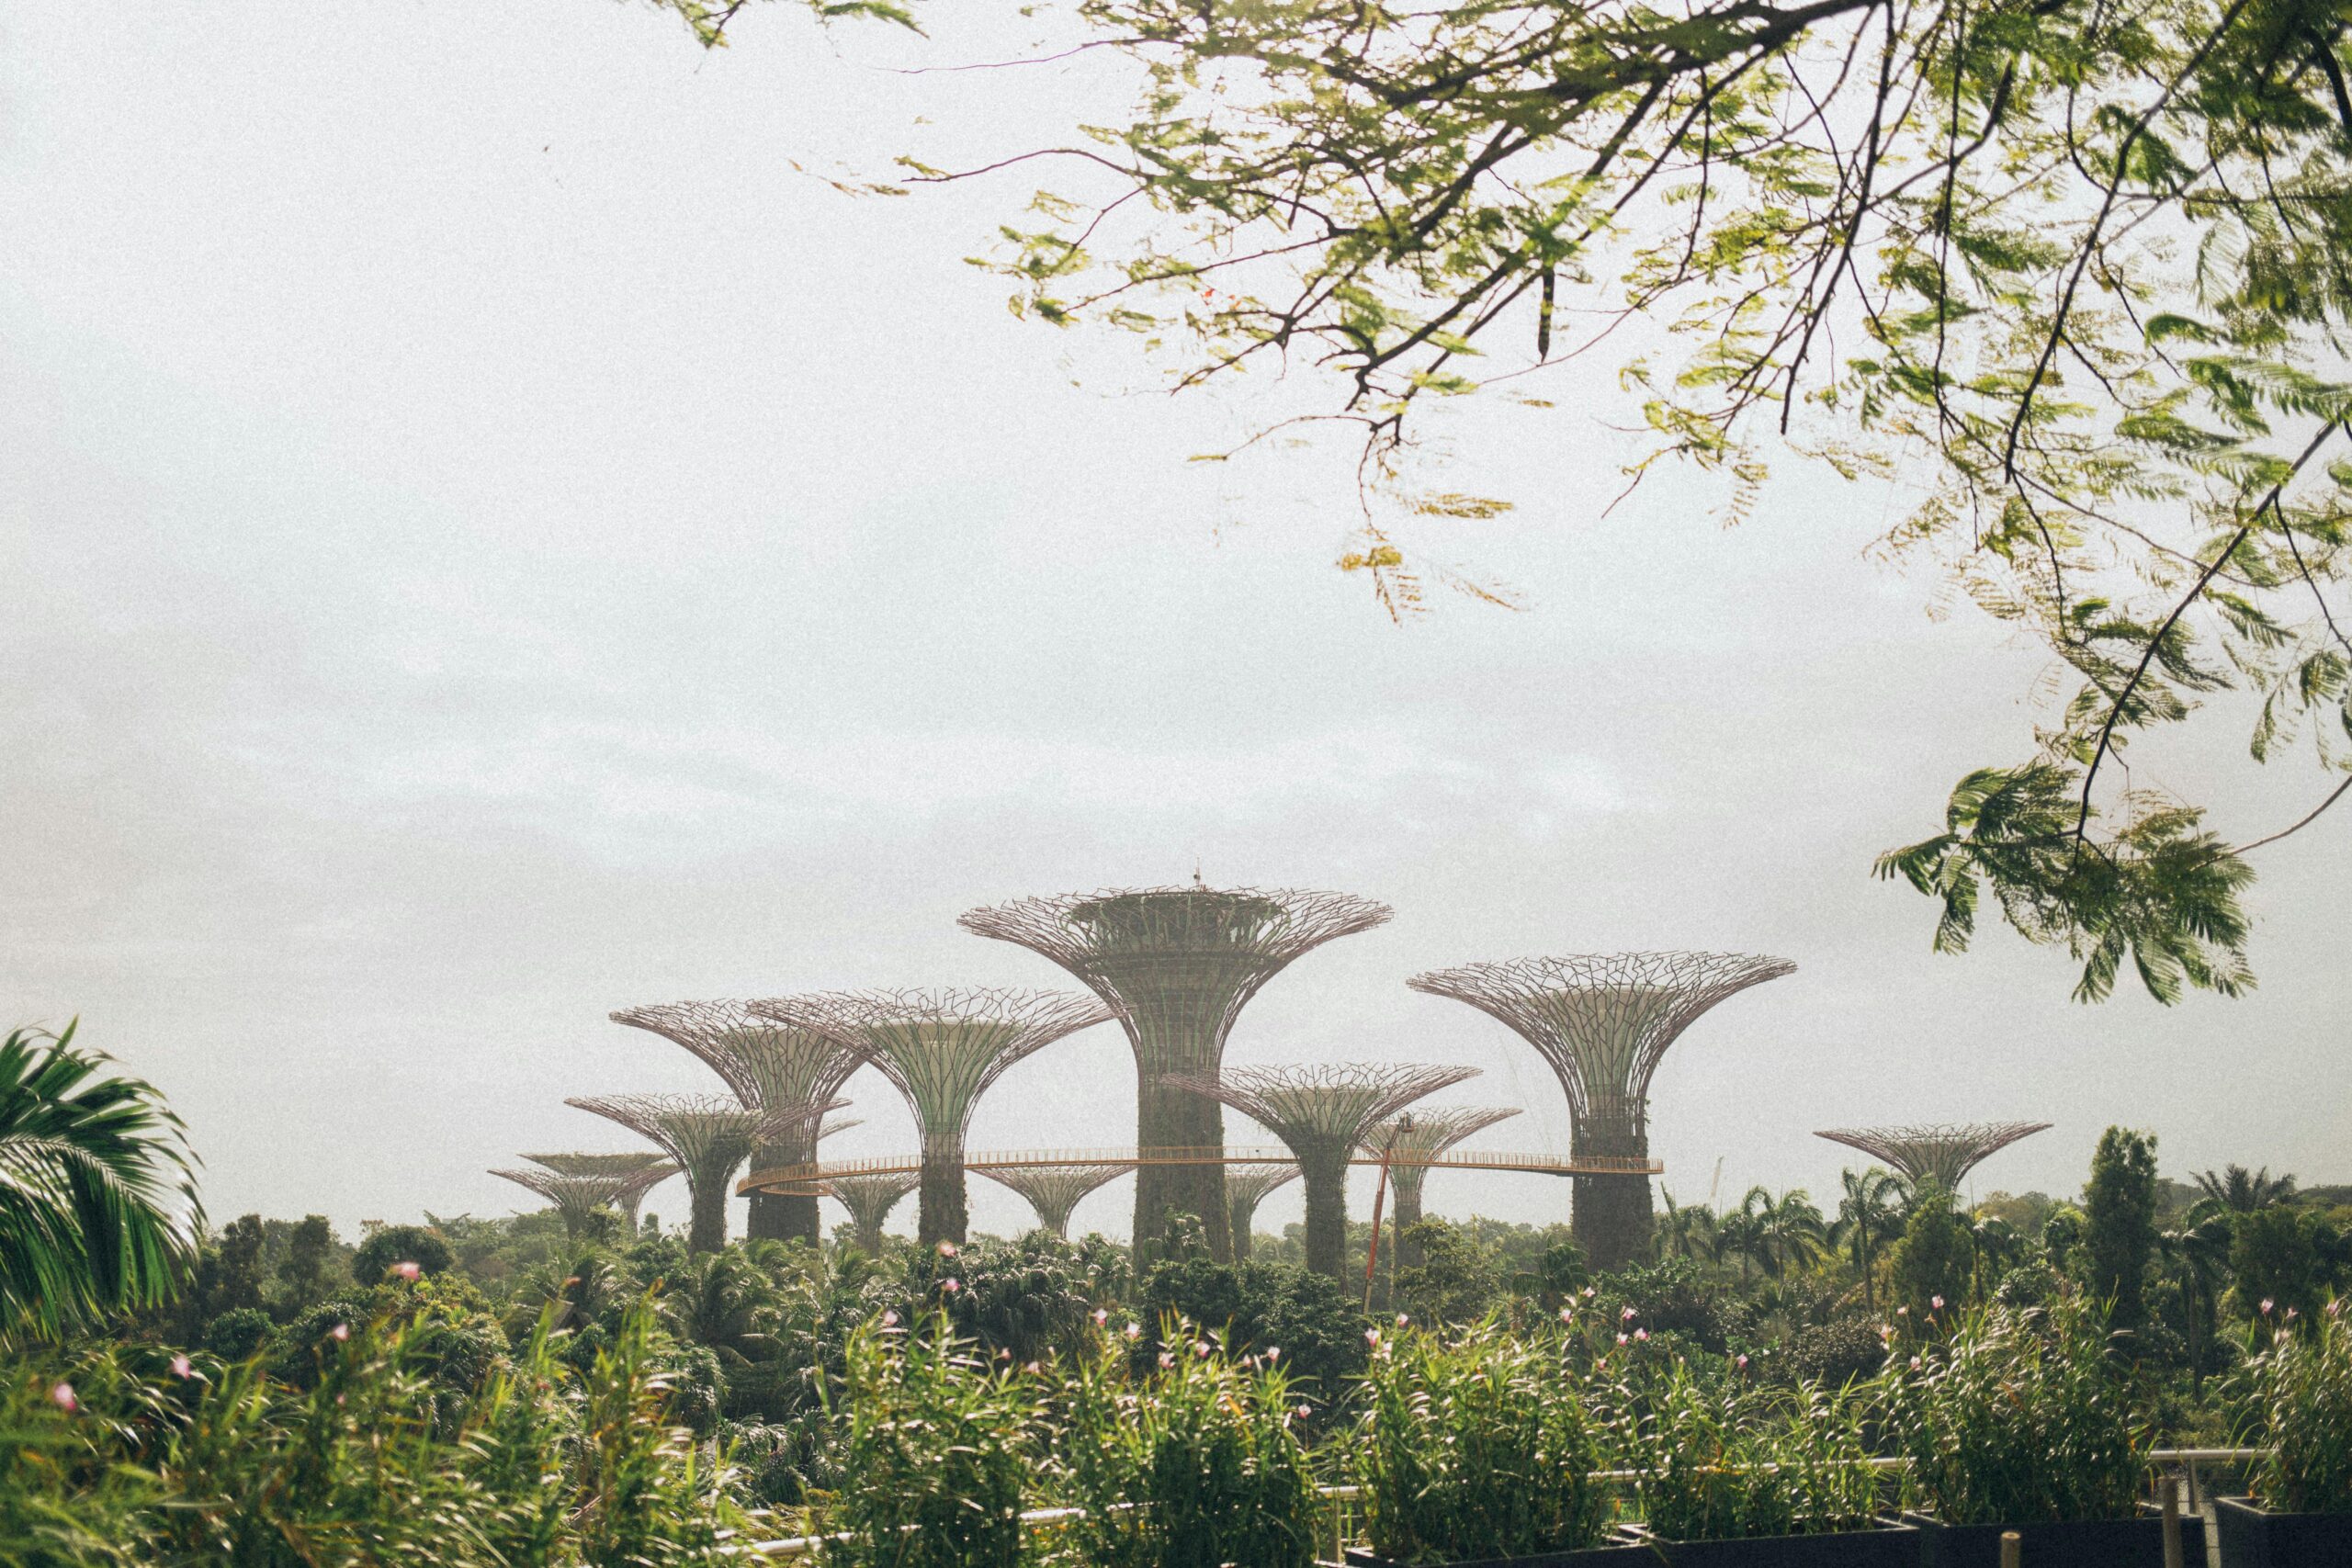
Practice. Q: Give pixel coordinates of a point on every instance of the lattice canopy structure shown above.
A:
(628, 1162)
(1245, 1186)
(1321, 1111)
(1177, 964)
(769, 1066)
(943, 1049)
(1054, 1190)
(1411, 1140)
(1603, 1021)
(709, 1135)
(1942, 1155)
(869, 1199)
(577, 1197)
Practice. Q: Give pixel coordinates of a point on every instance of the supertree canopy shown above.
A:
(1942, 1155)
(1245, 1186)
(1604, 1021)
(769, 1066)
(628, 1162)
(944, 1049)
(1321, 1111)
(1177, 964)
(1411, 1140)
(869, 1199)
(709, 1135)
(577, 1197)
(1054, 1190)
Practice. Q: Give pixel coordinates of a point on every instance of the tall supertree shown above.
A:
(577, 1197)
(709, 1135)
(1604, 1021)
(1411, 1141)
(769, 1066)
(1320, 1110)
(1053, 1191)
(869, 1199)
(1245, 1186)
(1939, 1154)
(944, 1049)
(1177, 964)
(629, 1162)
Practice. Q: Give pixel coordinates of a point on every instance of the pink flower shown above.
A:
(405, 1270)
(1642, 1334)
(1937, 1303)
(1167, 1359)
(1274, 1354)
(1133, 1331)
(341, 1331)
(1914, 1363)
(951, 1285)
(1031, 1368)
(946, 1250)
(1567, 1314)
(891, 1319)
(1742, 1363)
(2266, 1306)
(1627, 1315)
(1102, 1316)
(1588, 1293)
(1200, 1348)
(1371, 1337)
(182, 1368)
(63, 1397)
(1903, 1311)
(1402, 1320)
(1622, 1340)
(1302, 1411)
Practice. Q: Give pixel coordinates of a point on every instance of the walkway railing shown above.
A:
(817, 1172)
(2176, 1467)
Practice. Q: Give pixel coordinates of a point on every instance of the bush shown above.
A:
(395, 1245)
(1843, 1351)
(1194, 1466)
(1724, 1458)
(1480, 1447)
(937, 1447)
(238, 1333)
(2302, 1403)
(2021, 1416)
(1260, 1306)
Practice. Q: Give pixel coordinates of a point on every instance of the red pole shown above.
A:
(1379, 1197)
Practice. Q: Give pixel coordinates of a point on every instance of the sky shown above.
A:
(492, 534)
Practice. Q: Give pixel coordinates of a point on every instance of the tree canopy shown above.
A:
(2069, 276)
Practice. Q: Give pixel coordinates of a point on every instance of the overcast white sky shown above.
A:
(486, 542)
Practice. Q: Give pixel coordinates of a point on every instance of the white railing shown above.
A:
(2184, 1461)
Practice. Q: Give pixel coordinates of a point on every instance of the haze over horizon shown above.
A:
(491, 541)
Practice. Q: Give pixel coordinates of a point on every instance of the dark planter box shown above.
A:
(2254, 1536)
(1890, 1546)
(1591, 1557)
(2076, 1543)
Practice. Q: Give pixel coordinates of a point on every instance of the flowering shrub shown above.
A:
(1724, 1457)
(1192, 1466)
(1476, 1448)
(2303, 1401)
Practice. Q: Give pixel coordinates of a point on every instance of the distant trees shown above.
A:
(2119, 1221)
(1868, 1210)
(390, 1245)
(1932, 1260)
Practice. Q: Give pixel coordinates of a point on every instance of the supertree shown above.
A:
(709, 1135)
(1245, 1186)
(770, 1066)
(1604, 1021)
(944, 1049)
(1411, 1140)
(1053, 1191)
(577, 1197)
(628, 1162)
(1942, 1155)
(1320, 1111)
(1177, 964)
(869, 1199)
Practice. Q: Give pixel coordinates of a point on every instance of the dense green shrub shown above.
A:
(1195, 1465)
(238, 1333)
(2302, 1414)
(936, 1448)
(391, 1245)
(1724, 1457)
(2019, 1417)
(1478, 1446)
(1257, 1305)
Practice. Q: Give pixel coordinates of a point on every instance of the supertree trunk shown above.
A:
(786, 1216)
(1610, 1219)
(942, 1214)
(1326, 1217)
(1171, 1118)
(1407, 1247)
(1239, 1227)
(707, 1229)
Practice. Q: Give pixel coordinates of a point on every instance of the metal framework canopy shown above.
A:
(577, 1197)
(709, 1135)
(767, 1064)
(869, 1199)
(1943, 1154)
(1603, 1020)
(1055, 1190)
(1412, 1139)
(625, 1163)
(1177, 964)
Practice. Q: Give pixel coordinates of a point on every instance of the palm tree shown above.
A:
(1794, 1228)
(1689, 1231)
(2200, 1250)
(2237, 1190)
(1990, 1238)
(1866, 1213)
(92, 1169)
(724, 1302)
(1747, 1230)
